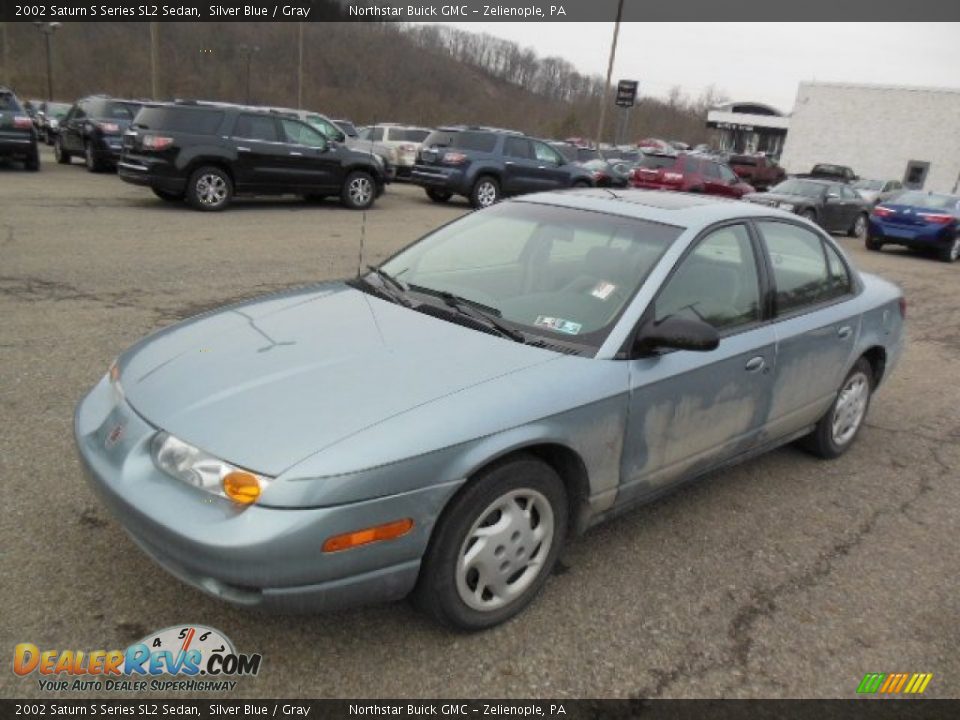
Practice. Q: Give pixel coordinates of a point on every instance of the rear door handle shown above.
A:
(508, 162)
(844, 332)
(754, 364)
(242, 149)
(294, 152)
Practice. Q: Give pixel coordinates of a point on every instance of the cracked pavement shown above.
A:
(787, 576)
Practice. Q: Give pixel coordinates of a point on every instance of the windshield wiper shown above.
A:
(385, 291)
(387, 278)
(483, 314)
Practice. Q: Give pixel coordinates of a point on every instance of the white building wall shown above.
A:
(876, 130)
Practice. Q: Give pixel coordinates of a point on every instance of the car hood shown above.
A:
(269, 382)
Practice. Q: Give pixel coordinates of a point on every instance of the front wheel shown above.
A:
(486, 192)
(359, 190)
(873, 244)
(810, 215)
(59, 154)
(32, 163)
(952, 252)
(581, 184)
(209, 188)
(837, 430)
(90, 159)
(494, 546)
(859, 227)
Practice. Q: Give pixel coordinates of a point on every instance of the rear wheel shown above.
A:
(59, 154)
(494, 546)
(859, 227)
(486, 192)
(209, 188)
(438, 196)
(32, 163)
(837, 430)
(952, 252)
(809, 214)
(873, 244)
(359, 190)
(167, 195)
(581, 184)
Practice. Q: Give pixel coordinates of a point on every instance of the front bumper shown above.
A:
(256, 556)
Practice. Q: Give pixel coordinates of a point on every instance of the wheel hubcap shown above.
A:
(211, 189)
(955, 249)
(486, 194)
(505, 550)
(850, 408)
(360, 190)
(860, 227)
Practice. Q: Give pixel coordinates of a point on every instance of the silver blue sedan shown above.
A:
(441, 425)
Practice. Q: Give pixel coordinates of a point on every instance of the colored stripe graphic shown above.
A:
(894, 683)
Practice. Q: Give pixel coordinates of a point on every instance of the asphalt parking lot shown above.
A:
(785, 577)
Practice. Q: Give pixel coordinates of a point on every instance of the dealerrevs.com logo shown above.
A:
(183, 657)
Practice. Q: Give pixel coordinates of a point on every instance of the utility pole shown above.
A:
(47, 29)
(7, 74)
(248, 51)
(299, 66)
(154, 60)
(606, 88)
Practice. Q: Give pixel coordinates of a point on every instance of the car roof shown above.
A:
(666, 207)
(477, 128)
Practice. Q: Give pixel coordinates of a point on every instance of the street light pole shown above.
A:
(47, 29)
(249, 50)
(606, 88)
(299, 66)
(154, 60)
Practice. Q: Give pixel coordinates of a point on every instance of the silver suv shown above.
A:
(405, 139)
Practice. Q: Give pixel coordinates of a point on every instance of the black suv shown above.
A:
(18, 137)
(93, 129)
(484, 164)
(207, 152)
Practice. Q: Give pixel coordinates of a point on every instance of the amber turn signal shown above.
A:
(241, 487)
(387, 531)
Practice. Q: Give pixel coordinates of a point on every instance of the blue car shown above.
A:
(442, 425)
(916, 219)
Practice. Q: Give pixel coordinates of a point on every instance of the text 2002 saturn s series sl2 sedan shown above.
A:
(442, 424)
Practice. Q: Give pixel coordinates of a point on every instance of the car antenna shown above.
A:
(363, 235)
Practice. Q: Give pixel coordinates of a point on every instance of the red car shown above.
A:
(687, 172)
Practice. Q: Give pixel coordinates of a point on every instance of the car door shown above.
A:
(261, 157)
(308, 161)
(834, 208)
(519, 166)
(729, 182)
(551, 171)
(852, 205)
(71, 132)
(690, 411)
(712, 180)
(815, 323)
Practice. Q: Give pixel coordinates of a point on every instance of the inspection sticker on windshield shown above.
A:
(559, 324)
(603, 290)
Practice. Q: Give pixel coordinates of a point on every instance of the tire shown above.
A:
(859, 227)
(951, 253)
(809, 214)
(61, 155)
(32, 164)
(485, 192)
(359, 190)
(167, 195)
(825, 441)
(581, 184)
(438, 196)
(89, 159)
(209, 188)
(873, 244)
(472, 595)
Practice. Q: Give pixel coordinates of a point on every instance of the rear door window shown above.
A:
(256, 127)
(299, 133)
(545, 153)
(801, 270)
(518, 147)
(691, 165)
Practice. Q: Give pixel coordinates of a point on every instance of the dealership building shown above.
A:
(884, 132)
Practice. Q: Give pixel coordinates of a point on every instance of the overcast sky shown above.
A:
(749, 61)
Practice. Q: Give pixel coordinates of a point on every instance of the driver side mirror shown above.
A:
(675, 333)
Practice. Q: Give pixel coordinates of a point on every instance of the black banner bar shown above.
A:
(473, 10)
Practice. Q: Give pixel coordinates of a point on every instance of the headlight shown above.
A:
(200, 469)
(786, 206)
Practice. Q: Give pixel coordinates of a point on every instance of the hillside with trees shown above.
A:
(369, 72)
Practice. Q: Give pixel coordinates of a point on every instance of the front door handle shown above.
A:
(294, 152)
(754, 364)
(844, 332)
(242, 149)
(508, 162)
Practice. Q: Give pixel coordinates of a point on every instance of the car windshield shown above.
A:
(120, 110)
(928, 201)
(462, 140)
(562, 273)
(868, 185)
(743, 160)
(408, 134)
(348, 127)
(584, 154)
(799, 187)
(8, 101)
(57, 110)
(654, 162)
